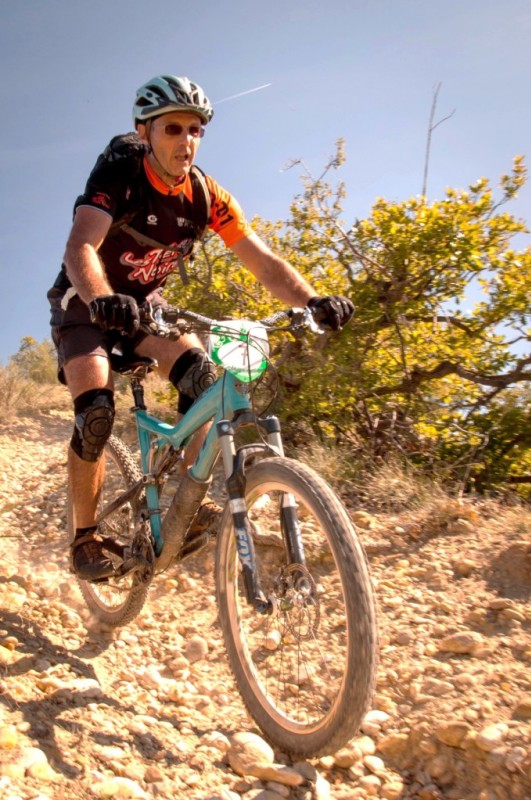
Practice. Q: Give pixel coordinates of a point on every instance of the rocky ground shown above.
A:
(151, 711)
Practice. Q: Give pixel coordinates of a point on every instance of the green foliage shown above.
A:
(415, 373)
(219, 285)
(502, 439)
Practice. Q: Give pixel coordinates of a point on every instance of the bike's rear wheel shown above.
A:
(305, 672)
(115, 601)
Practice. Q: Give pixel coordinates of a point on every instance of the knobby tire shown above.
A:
(115, 602)
(305, 673)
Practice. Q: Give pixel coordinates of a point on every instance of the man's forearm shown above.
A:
(86, 273)
(285, 283)
(273, 272)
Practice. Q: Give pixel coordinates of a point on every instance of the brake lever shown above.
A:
(303, 319)
(152, 321)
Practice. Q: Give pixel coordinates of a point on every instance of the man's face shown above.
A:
(174, 139)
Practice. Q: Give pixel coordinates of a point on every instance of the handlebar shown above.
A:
(171, 322)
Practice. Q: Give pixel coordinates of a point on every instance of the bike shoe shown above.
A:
(89, 562)
(207, 518)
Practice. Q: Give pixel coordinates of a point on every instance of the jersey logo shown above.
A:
(102, 199)
(155, 264)
(152, 219)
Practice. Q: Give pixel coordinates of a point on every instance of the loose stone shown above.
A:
(374, 764)
(452, 733)
(196, 649)
(393, 790)
(279, 788)
(490, 737)
(465, 642)
(523, 707)
(246, 751)
(8, 737)
(119, 787)
(276, 772)
(348, 756)
(394, 745)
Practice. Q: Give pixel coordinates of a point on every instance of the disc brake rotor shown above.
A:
(297, 602)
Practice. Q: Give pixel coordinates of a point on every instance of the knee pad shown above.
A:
(94, 412)
(192, 374)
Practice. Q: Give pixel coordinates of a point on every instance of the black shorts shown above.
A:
(73, 333)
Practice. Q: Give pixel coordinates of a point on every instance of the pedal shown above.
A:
(194, 545)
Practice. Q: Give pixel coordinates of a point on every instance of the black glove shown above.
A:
(332, 312)
(115, 312)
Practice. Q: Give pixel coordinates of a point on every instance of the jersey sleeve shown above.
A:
(104, 189)
(228, 219)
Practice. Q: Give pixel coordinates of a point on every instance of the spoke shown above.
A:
(300, 671)
(296, 674)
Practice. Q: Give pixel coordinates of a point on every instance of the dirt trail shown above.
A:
(150, 710)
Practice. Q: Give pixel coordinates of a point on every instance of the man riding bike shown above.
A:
(135, 223)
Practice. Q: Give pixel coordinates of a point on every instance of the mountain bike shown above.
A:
(295, 600)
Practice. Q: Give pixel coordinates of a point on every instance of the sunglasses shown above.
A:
(174, 129)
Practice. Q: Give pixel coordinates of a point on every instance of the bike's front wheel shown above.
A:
(306, 670)
(117, 600)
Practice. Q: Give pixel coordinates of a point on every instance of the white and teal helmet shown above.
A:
(168, 93)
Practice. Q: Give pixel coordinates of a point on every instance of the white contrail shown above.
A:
(240, 94)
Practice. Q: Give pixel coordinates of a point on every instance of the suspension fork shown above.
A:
(234, 462)
(290, 527)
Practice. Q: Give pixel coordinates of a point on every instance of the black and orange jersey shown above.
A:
(165, 216)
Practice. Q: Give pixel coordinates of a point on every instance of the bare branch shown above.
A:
(419, 376)
(470, 330)
(343, 235)
(431, 127)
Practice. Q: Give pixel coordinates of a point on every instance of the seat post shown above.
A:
(138, 393)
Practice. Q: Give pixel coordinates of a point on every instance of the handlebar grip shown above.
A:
(278, 316)
(171, 315)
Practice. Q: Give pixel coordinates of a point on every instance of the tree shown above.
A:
(36, 360)
(414, 373)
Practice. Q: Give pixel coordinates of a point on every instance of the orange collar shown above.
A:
(158, 184)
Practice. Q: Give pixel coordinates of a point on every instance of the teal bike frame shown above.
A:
(222, 402)
(227, 403)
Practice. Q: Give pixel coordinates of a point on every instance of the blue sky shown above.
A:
(364, 70)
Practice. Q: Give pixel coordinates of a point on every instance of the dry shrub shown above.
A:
(427, 506)
(378, 487)
(16, 392)
(394, 487)
(52, 398)
(20, 395)
(334, 464)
